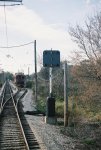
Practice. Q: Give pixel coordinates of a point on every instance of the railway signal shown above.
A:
(51, 58)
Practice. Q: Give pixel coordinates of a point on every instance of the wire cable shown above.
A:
(15, 46)
(11, 5)
(6, 23)
(54, 76)
(42, 79)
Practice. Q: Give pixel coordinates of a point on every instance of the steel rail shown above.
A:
(3, 105)
(21, 97)
(20, 122)
(2, 95)
(21, 128)
(19, 118)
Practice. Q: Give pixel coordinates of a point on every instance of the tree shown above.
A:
(86, 72)
(89, 42)
(89, 39)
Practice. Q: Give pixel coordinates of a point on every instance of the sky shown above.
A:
(47, 22)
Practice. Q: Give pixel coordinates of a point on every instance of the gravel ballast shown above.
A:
(49, 136)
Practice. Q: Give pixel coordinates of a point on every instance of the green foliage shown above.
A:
(44, 73)
(89, 141)
(29, 84)
(41, 105)
(84, 92)
(59, 108)
(43, 88)
(0, 84)
(9, 75)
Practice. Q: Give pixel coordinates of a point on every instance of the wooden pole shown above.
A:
(65, 95)
(35, 59)
(28, 71)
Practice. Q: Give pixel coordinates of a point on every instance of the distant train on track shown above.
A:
(20, 80)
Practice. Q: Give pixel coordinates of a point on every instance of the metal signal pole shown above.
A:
(35, 59)
(50, 78)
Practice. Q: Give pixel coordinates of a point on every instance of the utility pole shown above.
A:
(28, 71)
(35, 59)
(65, 94)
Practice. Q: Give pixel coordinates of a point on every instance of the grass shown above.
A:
(77, 111)
(89, 141)
(41, 104)
(59, 106)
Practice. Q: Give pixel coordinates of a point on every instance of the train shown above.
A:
(20, 80)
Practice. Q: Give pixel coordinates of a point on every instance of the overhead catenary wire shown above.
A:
(42, 79)
(5, 19)
(6, 23)
(7, 45)
(12, 3)
(6, 30)
(15, 46)
(54, 76)
(0, 27)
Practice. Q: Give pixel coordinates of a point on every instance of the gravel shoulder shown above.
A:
(49, 136)
(86, 136)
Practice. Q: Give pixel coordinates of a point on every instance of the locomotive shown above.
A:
(20, 80)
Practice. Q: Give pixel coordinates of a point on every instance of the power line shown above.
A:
(6, 23)
(42, 79)
(54, 76)
(17, 45)
(11, 4)
(7, 32)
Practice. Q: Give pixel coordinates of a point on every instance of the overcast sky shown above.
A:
(45, 21)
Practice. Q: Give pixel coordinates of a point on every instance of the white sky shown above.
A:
(45, 21)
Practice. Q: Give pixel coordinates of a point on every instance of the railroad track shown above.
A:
(15, 133)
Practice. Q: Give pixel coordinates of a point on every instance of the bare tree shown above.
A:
(89, 42)
(89, 37)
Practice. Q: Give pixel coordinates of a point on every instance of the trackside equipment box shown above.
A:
(50, 107)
